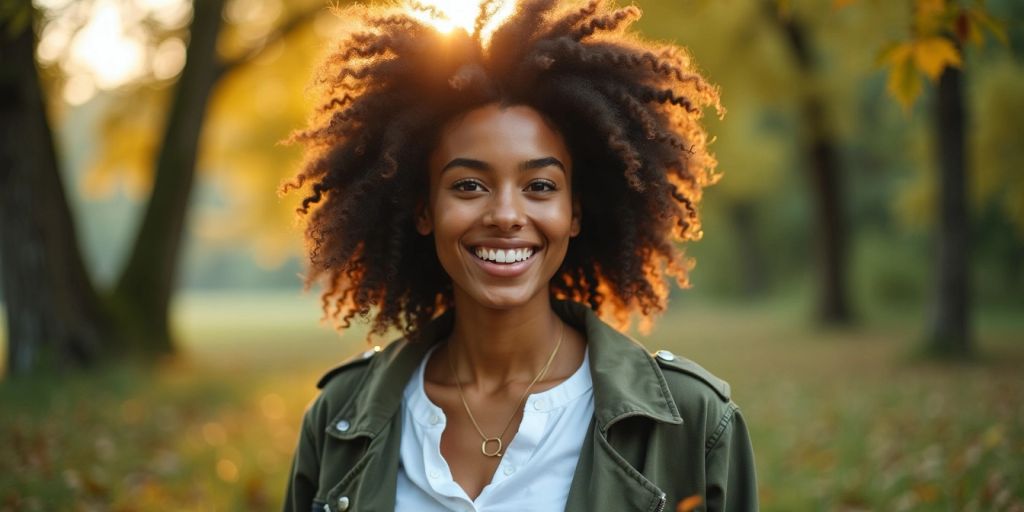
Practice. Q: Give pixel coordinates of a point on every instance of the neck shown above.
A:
(494, 347)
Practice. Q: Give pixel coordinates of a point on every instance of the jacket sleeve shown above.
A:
(731, 479)
(304, 475)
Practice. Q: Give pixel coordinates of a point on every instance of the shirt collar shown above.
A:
(627, 381)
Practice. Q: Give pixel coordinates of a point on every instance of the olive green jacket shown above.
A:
(664, 429)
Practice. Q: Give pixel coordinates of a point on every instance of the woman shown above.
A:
(489, 195)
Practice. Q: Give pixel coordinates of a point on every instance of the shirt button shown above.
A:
(509, 469)
(343, 426)
(343, 503)
(540, 404)
(434, 475)
(435, 419)
(665, 355)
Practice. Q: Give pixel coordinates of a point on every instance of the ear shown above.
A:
(577, 213)
(424, 224)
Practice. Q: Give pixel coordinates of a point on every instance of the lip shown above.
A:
(504, 269)
(503, 243)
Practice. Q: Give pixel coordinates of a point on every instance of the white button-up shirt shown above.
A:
(536, 470)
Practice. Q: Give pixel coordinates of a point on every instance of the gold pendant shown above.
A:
(496, 452)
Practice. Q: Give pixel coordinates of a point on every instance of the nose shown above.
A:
(505, 211)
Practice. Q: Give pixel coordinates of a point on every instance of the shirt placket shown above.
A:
(525, 442)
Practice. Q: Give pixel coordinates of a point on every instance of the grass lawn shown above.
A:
(841, 420)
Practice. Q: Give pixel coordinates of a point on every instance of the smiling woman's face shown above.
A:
(500, 205)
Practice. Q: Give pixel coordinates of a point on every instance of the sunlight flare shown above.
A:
(105, 49)
(448, 15)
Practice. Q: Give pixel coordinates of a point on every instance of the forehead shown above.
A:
(494, 133)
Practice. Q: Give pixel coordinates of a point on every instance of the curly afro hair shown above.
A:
(628, 108)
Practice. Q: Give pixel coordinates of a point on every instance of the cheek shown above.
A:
(556, 221)
(452, 219)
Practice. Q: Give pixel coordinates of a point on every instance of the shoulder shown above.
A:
(342, 383)
(701, 397)
(354, 364)
(688, 377)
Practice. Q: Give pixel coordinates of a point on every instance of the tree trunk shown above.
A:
(142, 296)
(831, 237)
(54, 319)
(824, 175)
(949, 329)
(742, 214)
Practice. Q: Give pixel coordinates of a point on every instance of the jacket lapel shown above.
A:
(627, 380)
(627, 383)
(604, 481)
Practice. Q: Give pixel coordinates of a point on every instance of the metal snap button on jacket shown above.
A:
(665, 355)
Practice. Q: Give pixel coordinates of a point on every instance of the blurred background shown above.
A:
(860, 281)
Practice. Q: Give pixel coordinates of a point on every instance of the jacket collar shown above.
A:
(627, 380)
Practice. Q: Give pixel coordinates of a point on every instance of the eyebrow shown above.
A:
(479, 165)
(540, 163)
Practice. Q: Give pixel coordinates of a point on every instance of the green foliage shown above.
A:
(996, 108)
(889, 276)
(997, 154)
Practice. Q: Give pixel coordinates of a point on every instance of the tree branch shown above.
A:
(283, 31)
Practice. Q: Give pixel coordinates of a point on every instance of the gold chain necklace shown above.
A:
(496, 442)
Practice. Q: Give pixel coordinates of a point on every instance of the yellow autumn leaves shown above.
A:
(940, 28)
(907, 60)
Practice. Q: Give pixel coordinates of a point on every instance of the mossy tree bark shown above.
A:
(53, 313)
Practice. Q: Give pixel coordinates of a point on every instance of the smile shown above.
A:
(504, 256)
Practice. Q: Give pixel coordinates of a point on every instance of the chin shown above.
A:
(502, 299)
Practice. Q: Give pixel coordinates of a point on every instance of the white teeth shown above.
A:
(503, 255)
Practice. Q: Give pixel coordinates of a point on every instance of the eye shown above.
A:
(468, 185)
(541, 186)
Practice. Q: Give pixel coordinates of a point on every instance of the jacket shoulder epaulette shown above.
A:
(672, 361)
(355, 361)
